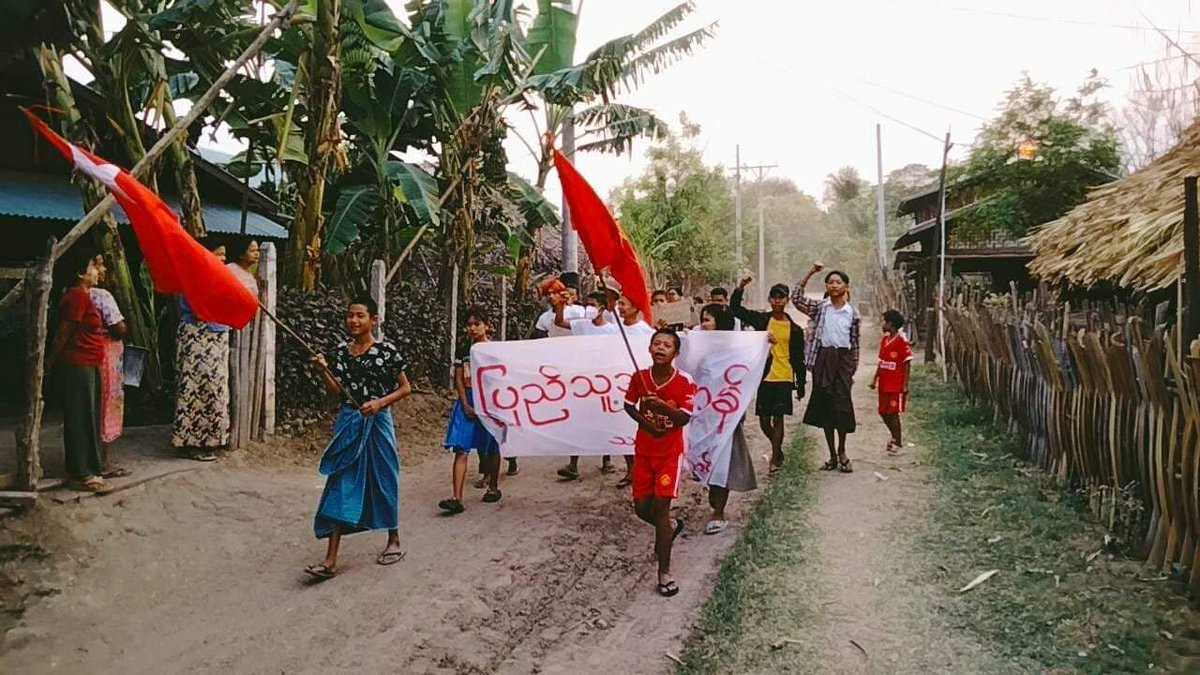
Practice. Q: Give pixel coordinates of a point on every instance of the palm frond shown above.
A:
(617, 125)
(658, 59)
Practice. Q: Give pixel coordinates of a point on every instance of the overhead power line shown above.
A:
(1054, 19)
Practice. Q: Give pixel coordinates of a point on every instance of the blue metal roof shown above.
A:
(53, 197)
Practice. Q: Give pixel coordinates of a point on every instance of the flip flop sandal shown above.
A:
(831, 465)
(203, 457)
(607, 468)
(678, 529)
(389, 557)
(480, 484)
(451, 506)
(624, 483)
(845, 467)
(512, 469)
(91, 484)
(115, 472)
(669, 589)
(492, 496)
(568, 474)
(320, 572)
(716, 526)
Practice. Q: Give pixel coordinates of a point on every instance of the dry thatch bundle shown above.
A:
(1129, 232)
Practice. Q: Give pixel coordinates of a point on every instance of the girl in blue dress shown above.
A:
(465, 433)
(362, 488)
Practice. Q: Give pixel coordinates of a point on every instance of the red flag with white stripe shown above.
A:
(178, 264)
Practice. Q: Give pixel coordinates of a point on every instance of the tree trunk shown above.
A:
(324, 148)
(106, 237)
(185, 175)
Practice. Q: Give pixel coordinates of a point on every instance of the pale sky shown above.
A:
(770, 80)
(801, 84)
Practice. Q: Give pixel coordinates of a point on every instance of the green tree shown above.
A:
(678, 213)
(1039, 157)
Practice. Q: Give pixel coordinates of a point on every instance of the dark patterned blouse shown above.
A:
(369, 376)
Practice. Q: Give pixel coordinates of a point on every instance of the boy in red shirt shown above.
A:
(659, 399)
(891, 376)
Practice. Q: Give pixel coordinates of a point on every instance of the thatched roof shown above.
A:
(1129, 232)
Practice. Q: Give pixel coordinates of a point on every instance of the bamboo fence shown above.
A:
(1111, 409)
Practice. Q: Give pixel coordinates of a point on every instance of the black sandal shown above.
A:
(512, 468)
(624, 482)
(566, 473)
(845, 467)
(320, 572)
(831, 465)
(669, 589)
(451, 506)
(492, 496)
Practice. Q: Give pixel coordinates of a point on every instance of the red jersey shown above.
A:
(894, 352)
(86, 348)
(678, 392)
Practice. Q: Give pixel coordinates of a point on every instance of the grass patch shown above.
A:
(763, 591)
(1060, 600)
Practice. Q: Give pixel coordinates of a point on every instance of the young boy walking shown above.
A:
(660, 399)
(891, 376)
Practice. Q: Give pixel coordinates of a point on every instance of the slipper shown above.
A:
(831, 465)
(669, 589)
(492, 496)
(115, 472)
(607, 468)
(93, 484)
(566, 473)
(451, 506)
(389, 557)
(203, 456)
(845, 467)
(624, 482)
(678, 529)
(320, 572)
(716, 526)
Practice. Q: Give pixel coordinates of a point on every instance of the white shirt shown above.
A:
(545, 322)
(611, 328)
(835, 330)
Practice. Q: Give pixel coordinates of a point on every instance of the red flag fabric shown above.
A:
(602, 238)
(178, 264)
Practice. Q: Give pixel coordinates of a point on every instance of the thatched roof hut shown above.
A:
(1129, 232)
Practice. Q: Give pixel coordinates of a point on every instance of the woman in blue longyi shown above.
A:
(362, 488)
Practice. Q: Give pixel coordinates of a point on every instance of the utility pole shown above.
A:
(570, 239)
(760, 172)
(881, 216)
(937, 263)
(737, 213)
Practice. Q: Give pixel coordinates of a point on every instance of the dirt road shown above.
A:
(201, 572)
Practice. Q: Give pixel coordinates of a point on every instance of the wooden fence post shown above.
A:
(379, 294)
(268, 275)
(1191, 258)
(38, 282)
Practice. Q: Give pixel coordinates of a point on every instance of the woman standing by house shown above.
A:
(112, 372)
(831, 353)
(202, 392)
(244, 254)
(78, 350)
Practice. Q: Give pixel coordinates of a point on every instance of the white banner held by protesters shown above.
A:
(566, 396)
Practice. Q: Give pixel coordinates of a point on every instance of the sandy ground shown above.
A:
(200, 572)
(870, 596)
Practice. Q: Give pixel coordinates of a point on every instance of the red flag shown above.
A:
(602, 237)
(177, 262)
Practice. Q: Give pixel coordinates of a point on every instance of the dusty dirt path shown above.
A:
(871, 595)
(201, 572)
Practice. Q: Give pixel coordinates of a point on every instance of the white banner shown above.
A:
(566, 396)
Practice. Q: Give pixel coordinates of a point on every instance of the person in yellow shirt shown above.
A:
(784, 372)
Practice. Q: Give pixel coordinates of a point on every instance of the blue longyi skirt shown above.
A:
(362, 491)
(464, 434)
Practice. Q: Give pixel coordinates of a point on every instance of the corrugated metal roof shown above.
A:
(53, 197)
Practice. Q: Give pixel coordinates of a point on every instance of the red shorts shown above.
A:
(656, 476)
(892, 403)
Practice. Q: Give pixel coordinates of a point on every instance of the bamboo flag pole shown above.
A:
(280, 18)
